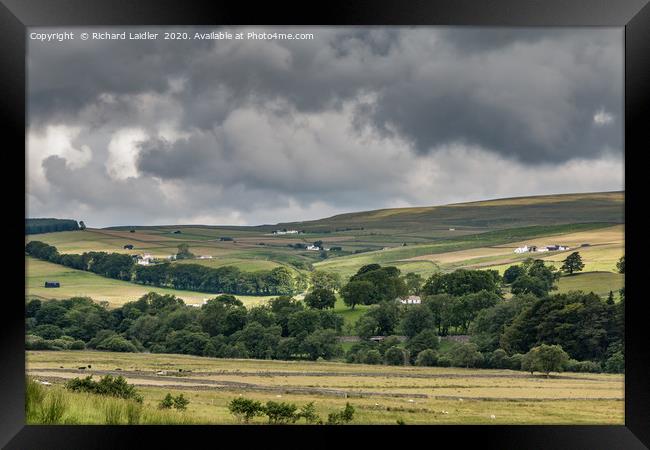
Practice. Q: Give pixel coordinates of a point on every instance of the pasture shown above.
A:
(380, 394)
(77, 283)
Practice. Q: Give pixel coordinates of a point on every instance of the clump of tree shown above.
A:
(192, 277)
(545, 358)
(184, 252)
(373, 284)
(533, 276)
(169, 401)
(107, 385)
(246, 409)
(222, 327)
(320, 298)
(572, 263)
(35, 226)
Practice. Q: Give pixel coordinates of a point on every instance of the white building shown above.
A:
(205, 257)
(286, 232)
(312, 247)
(411, 300)
(523, 249)
(145, 259)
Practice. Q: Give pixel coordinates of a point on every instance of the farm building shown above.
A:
(52, 284)
(145, 259)
(205, 257)
(524, 249)
(410, 300)
(177, 232)
(128, 247)
(554, 248)
(286, 232)
(313, 247)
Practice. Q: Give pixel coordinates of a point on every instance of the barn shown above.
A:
(128, 247)
(52, 284)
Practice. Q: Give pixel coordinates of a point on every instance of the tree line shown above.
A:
(222, 327)
(34, 226)
(192, 277)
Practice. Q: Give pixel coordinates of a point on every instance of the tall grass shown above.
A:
(53, 408)
(133, 412)
(34, 396)
(113, 410)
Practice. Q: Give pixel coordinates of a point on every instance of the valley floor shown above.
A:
(380, 394)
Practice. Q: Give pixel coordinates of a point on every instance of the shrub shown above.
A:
(107, 385)
(615, 363)
(167, 402)
(466, 355)
(372, 357)
(281, 412)
(341, 417)
(53, 408)
(426, 357)
(180, 402)
(48, 331)
(245, 409)
(395, 356)
(308, 412)
(499, 359)
(514, 361)
(444, 361)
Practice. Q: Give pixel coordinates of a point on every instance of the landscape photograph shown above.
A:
(325, 226)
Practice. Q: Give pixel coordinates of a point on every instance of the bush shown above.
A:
(245, 409)
(615, 363)
(396, 356)
(514, 361)
(444, 361)
(372, 357)
(167, 402)
(342, 417)
(426, 357)
(180, 402)
(466, 355)
(48, 331)
(308, 412)
(584, 366)
(107, 385)
(117, 343)
(499, 359)
(281, 412)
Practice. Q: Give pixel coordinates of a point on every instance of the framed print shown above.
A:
(257, 221)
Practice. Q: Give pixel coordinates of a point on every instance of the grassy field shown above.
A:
(379, 394)
(597, 282)
(442, 238)
(77, 283)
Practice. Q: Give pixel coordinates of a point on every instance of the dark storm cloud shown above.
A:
(527, 94)
(357, 118)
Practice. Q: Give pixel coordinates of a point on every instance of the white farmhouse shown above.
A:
(145, 259)
(411, 300)
(312, 247)
(523, 249)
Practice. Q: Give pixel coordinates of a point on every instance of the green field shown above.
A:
(77, 283)
(600, 283)
(379, 394)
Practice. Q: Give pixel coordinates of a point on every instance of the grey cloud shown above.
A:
(343, 121)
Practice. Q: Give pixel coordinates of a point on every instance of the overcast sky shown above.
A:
(246, 132)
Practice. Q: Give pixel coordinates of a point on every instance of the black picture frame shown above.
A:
(633, 15)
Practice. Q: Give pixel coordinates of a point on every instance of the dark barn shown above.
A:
(52, 284)
(128, 246)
